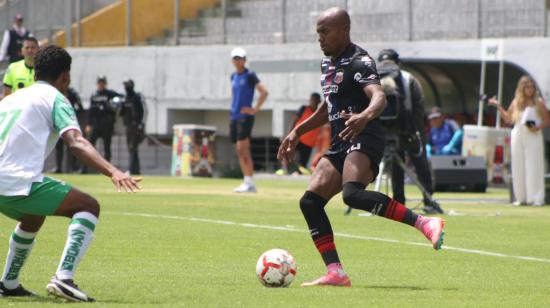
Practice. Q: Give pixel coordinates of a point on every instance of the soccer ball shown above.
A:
(276, 268)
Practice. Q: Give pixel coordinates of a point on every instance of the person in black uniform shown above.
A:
(101, 116)
(13, 40)
(132, 112)
(353, 101)
(72, 161)
(411, 121)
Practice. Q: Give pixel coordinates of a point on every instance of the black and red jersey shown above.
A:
(343, 80)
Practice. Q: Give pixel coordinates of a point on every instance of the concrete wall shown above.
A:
(197, 78)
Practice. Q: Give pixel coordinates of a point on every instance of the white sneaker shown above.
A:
(245, 188)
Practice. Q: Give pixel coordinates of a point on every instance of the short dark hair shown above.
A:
(31, 39)
(50, 62)
(316, 96)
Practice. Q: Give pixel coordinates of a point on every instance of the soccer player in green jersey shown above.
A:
(31, 122)
(20, 74)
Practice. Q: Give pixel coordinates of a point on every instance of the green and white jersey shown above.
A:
(31, 121)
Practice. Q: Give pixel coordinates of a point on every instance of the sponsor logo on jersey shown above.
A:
(368, 79)
(357, 76)
(345, 61)
(339, 76)
(334, 117)
(328, 89)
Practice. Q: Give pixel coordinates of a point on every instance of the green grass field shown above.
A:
(192, 242)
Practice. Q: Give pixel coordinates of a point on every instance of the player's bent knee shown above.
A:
(311, 201)
(91, 205)
(352, 194)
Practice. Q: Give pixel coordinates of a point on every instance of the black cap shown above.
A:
(102, 78)
(128, 83)
(388, 54)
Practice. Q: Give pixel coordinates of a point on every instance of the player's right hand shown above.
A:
(287, 147)
(125, 181)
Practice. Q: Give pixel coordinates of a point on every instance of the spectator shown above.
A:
(13, 41)
(244, 83)
(20, 74)
(411, 120)
(101, 116)
(307, 140)
(529, 115)
(445, 136)
(322, 144)
(72, 161)
(132, 112)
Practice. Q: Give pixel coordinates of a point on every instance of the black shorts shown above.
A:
(241, 129)
(371, 145)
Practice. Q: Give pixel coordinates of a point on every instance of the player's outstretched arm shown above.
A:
(289, 143)
(86, 153)
(355, 123)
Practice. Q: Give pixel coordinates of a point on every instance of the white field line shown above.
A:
(345, 235)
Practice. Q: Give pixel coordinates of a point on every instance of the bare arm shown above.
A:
(261, 100)
(355, 123)
(86, 153)
(506, 115)
(317, 119)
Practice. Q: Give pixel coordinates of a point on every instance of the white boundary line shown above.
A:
(345, 235)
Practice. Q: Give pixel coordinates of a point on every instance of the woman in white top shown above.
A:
(529, 115)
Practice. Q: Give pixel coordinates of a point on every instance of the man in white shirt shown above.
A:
(31, 122)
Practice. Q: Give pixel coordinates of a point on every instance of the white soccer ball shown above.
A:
(276, 268)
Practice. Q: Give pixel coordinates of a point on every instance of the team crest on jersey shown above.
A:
(367, 60)
(339, 76)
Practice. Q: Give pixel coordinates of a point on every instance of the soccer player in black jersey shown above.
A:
(353, 102)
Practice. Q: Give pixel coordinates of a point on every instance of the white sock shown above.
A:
(80, 235)
(21, 243)
(248, 180)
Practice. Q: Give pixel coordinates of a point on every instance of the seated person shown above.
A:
(445, 136)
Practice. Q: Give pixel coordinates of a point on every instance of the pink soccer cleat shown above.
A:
(432, 228)
(331, 278)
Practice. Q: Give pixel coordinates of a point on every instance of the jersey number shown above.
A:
(7, 119)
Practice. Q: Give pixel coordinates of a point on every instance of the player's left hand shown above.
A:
(249, 110)
(355, 123)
